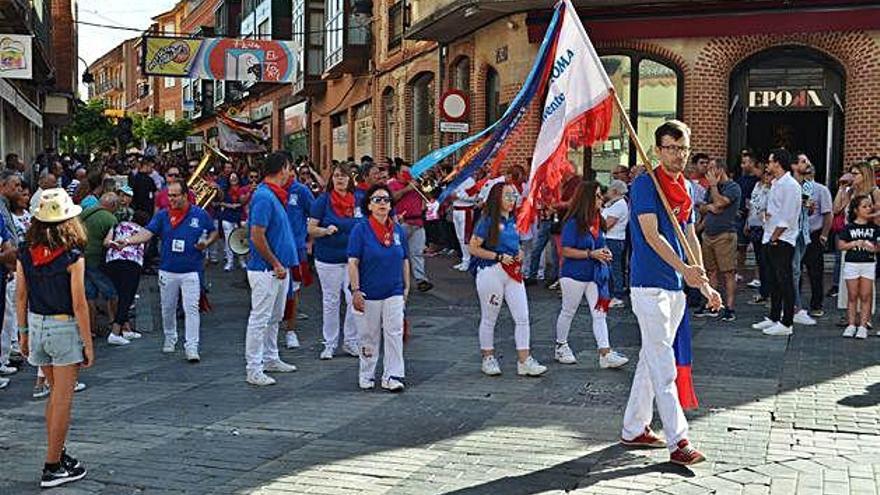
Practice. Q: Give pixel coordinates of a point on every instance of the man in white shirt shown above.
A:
(462, 219)
(616, 215)
(780, 236)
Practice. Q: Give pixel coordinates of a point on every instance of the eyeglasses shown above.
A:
(674, 148)
(172, 175)
(253, 176)
(377, 200)
(510, 196)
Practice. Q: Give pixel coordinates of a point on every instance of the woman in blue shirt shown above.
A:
(497, 259)
(230, 218)
(379, 272)
(585, 271)
(331, 219)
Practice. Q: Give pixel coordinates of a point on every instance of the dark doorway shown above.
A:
(798, 132)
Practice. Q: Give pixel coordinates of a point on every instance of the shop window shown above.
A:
(363, 130)
(493, 96)
(422, 115)
(339, 124)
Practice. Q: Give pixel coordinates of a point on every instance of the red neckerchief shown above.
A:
(343, 205)
(594, 229)
(42, 255)
(363, 186)
(514, 270)
(384, 233)
(176, 215)
(280, 192)
(676, 193)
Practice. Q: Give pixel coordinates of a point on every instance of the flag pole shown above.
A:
(650, 171)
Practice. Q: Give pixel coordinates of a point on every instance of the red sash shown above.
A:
(676, 193)
(279, 192)
(384, 233)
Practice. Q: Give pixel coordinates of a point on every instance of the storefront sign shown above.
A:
(261, 112)
(804, 98)
(16, 58)
(230, 59)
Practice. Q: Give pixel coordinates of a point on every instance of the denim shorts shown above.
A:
(54, 340)
(97, 282)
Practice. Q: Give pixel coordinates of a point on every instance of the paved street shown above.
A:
(777, 415)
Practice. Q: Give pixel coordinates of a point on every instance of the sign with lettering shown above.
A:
(787, 99)
(16, 57)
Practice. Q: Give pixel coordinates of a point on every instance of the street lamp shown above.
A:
(87, 77)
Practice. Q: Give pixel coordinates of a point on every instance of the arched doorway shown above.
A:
(790, 97)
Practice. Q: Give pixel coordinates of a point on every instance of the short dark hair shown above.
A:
(275, 163)
(699, 156)
(365, 203)
(184, 189)
(10, 157)
(675, 129)
(782, 157)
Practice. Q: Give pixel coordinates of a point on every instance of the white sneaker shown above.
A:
(278, 367)
(4, 382)
(862, 333)
(554, 286)
(366, 383)
(392, 384)
(260, 379)
(350, 350)
(802, 318)
(764, 324)
(327, 353)
(192, 356)
(169, 346)
(292, 340)
(457, 267)
(530, 367)
(778, 329)
(612, 360)
(754, 284)
(131, 334)
(849, 332)
(616, 303)
(564, 354)
(227, 267)
(79, 387)
(114, 339)
(490, 366)
(302, 316)
(5, 369)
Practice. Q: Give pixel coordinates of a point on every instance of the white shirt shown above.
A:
(783, 209)
(461, 196)
(619, 210)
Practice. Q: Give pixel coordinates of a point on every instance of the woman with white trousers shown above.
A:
(585, 272)
(332, 217)
(379, 272)
(497, 259)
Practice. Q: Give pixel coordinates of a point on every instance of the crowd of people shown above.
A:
(76, 237)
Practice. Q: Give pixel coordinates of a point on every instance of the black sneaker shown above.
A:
(728, 315)
(61, 475)
(833, 292)
(68, 461)
(705, 312)
(758, 301)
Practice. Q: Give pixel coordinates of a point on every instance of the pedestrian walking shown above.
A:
(586, 272)
(53, 320)
(755, 231)
(615, 213)
(123, 267)
(497, 260)
(410, 207)
(378, 267)
(273, 254)
(299, 204)
(859, 242)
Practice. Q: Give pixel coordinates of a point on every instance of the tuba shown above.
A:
(203, 190)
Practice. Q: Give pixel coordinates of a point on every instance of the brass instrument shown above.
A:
(203, 190)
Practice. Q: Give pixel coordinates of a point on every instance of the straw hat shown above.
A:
(56, 206)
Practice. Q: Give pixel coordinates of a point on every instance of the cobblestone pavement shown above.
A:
(778, 415)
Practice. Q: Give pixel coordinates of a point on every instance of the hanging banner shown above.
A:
(16, 58)
(226, 59)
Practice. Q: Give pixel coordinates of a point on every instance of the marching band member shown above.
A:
(182, 228)
(332, 217)
(298, 206)
(272, 254)
(585, 271)
(497, 258)
(379, 272)
(463, 218)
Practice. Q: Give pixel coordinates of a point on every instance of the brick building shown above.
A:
(170, 96)
(109, 73)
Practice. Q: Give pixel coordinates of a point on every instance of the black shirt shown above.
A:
(144, 190)
(49, 285)
(856, 232)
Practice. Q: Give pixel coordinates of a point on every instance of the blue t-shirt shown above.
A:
(380, 267)
(232, 215)
(267, 211)
(579, 269)
(508, 239)
(647, 269)
(299, 204)
(179, 253)
(332, 248)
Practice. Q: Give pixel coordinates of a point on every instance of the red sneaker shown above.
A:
(648, 439)
(686, 455)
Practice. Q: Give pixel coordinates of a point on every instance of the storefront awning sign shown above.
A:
(229, 59)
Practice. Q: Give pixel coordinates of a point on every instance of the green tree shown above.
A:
(159, 132)
(90, 130)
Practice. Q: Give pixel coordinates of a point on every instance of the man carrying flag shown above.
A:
(659, 266)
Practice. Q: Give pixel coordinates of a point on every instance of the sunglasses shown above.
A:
(510, 195)
(376, 200)
(172, 175)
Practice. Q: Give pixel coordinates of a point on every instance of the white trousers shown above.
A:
(573, 292)
(171, 286)
(228, 227)
(459, 220)
(9, 332)
(382, 319)
(659, 313)
(334, 279)
(268, 296)
(494, 286)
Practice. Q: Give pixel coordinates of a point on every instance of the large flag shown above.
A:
(577, 112)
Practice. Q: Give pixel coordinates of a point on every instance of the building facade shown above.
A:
(109, 72)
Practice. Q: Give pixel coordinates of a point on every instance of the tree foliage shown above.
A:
(159, 132)
(89, 131)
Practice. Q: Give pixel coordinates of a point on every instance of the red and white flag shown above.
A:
(577, 112)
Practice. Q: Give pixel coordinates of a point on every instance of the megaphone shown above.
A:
(238, 241)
